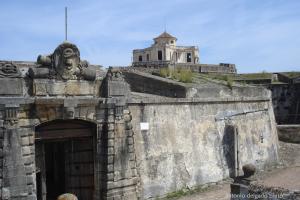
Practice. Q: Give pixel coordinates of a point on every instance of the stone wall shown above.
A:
(119, 179)
(285, 94)
(1, 158)
(289, 133)
(18, 163)
(30, 99)
(187, 144)
(146, 83)
(115, 168)
(286, 103)
(197, 68)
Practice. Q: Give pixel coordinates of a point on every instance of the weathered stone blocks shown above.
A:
(183, 136)
(11, 86)
(46, 87)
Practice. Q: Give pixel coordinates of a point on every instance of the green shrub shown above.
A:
(164, 72)
(185, 76)
(182, 75)
(229, 81)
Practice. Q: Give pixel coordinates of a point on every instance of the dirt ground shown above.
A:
(288, 178)
(286, 175)
(221, 192)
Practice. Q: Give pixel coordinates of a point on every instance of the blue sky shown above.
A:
(256, 35)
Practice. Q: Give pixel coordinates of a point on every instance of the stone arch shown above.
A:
(65, 158)
(49, 112)
(66, 124)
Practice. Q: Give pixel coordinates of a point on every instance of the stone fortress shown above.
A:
(165, 49)
(123, 133)
(165, 53)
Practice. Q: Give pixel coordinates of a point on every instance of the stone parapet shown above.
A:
(161, 100)
(198, 68)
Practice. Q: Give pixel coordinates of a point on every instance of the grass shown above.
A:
(184, 192)
(229, 81)
(185, 76)
(292, 74)
(262, 75)
(218, 76)
(241, 78)
(228, 78)
(164, 72)
(182, 75)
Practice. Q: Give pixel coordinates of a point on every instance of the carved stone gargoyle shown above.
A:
(63, 64)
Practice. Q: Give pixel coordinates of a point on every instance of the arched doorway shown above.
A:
(65, 159)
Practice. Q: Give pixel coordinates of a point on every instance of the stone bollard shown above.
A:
(240, 186)
(67, 196)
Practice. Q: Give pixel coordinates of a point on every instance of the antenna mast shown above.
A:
(66, 23)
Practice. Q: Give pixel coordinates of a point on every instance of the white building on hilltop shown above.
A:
(164, 51)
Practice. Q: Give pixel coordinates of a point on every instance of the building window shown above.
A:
(176, 56)
(148, 58)
(188, 57)
(172, 41)
(159, 55)
(140, 58)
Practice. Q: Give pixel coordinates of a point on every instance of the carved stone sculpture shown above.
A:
(63, 64)
(9, 70)
(66, 59)
(115, 75)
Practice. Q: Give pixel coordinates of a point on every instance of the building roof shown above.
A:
(165, 35)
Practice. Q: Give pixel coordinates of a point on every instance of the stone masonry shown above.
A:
(122, 134)
(61, 87)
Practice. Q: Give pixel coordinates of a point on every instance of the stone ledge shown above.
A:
(16, 100)
(161, 100)
(91, 101)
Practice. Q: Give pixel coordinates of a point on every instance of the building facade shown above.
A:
(165, 53)
(165, 50)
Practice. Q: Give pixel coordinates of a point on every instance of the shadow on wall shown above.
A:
(228, 148)
(150, 84)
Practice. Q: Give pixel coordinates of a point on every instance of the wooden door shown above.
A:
(65, 150)
(79, 168)
(40, 171)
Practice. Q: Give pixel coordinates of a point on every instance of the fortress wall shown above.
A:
(187, 144)
(286, 103)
